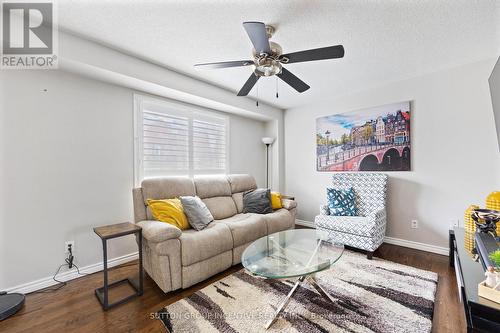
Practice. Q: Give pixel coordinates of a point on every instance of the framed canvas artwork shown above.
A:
(373, 139)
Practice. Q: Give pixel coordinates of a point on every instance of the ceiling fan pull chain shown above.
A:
(277, 95)
(257, 102)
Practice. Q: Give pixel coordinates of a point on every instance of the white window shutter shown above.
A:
(173, 139)
(165, 144)
(209, 144)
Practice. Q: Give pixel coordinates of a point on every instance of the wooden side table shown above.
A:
(114, 231)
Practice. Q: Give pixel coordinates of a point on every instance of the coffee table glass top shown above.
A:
(291, 253)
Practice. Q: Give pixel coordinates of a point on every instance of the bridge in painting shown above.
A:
(366, 158)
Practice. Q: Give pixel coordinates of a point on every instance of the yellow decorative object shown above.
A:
(493, 202)
(469, 242)
(469, 224)
(276, 200)
(169, 211)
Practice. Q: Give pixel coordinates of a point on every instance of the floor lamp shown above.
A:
(267, 141)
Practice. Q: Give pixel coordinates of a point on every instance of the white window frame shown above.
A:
(172, 108)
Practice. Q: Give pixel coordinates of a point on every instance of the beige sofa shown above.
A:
(177, 259)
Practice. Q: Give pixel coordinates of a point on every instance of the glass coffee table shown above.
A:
(297, 253)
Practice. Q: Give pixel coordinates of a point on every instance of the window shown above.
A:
(177, 139)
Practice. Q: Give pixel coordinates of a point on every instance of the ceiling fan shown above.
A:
(268, 58)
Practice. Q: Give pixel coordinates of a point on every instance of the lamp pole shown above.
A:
(267, 165)
(267, 141)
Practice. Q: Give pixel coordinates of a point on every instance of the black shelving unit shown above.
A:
(482, 315)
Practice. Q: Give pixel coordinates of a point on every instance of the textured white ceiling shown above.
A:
(384, 40)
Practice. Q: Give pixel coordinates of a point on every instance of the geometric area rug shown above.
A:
(370, 296)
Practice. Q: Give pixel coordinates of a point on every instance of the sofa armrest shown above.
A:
(288, 204)
(155, 231)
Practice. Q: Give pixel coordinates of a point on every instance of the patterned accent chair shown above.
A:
(366, 231)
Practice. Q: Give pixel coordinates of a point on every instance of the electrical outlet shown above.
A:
(414, 224)
(66, 246)
(454, 223)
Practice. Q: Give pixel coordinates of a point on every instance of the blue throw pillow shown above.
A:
(341, 202)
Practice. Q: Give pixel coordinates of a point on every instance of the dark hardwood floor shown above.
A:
(75, 308)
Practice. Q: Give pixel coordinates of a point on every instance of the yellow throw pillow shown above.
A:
(169, 211)
(276, 200)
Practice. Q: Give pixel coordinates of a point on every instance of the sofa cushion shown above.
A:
(212, 186)
(200, 245)
(238, 252)
(198, 214)
(202, 270)
(238, 201)
(355, 225)
(221, 207)
(241, 183)
(279, 220)
(245, 227)
(166, 188)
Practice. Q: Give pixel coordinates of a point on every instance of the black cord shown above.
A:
(63, 283)
(59, 286)
(78, 271)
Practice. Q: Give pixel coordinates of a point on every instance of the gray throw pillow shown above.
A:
(257, 201)
(197, 212)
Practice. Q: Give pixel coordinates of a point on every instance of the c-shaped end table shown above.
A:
(114, 231)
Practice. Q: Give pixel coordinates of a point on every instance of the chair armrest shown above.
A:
(378, 216)
(156, 231)
(288, 204)
(324, 210)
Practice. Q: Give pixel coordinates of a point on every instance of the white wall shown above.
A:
(455, 156)
(494, 82)
(247, 152)
(67, 166)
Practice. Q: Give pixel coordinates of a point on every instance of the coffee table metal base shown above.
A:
(313, 282)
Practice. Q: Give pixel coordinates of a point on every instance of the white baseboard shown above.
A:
(417, 245)
(396, 241)
(71, 274)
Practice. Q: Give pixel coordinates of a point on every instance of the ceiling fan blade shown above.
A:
(252, 80)
(224, 64)
(293, 81)
(258, 35)
(330, 52)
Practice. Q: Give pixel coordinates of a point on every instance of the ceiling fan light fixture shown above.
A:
(267, 67)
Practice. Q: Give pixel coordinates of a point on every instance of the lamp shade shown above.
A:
(267, 140)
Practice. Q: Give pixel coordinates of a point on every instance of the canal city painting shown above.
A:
(373, 139)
